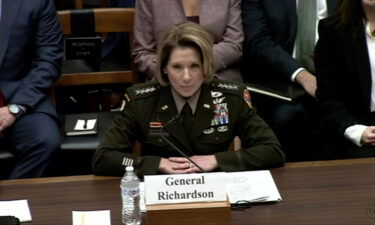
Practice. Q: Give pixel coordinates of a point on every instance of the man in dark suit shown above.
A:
(30, 58)
(270, 41)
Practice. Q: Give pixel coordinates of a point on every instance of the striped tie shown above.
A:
(306, 31)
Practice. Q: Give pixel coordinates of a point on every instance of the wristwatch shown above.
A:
(16, 110)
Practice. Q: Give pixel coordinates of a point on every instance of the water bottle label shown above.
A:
(131, 192)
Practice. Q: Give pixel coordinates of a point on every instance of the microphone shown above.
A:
(173, 119)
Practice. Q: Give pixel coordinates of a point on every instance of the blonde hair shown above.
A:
(185, 34)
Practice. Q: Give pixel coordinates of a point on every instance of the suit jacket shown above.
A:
(30, 52)
(150, 111)
(343, 75)
(270, 28)
(222, 18)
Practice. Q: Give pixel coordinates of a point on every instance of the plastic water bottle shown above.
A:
(131, 212)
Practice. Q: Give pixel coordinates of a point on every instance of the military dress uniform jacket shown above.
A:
(223, 111)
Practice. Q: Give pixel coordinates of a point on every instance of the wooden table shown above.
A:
(330, 192)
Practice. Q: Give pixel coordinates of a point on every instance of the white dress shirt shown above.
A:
(354, 133)
(322, 12)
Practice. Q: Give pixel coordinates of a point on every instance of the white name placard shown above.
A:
(183, 188)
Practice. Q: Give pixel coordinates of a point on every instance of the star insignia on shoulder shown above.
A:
(145, 90)
(228, 86)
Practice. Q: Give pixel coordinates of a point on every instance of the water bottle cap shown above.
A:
(129, 169)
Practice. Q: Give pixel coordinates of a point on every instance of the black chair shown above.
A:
(77, 151)
(7, 161)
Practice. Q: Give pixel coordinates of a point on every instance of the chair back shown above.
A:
(100, 20)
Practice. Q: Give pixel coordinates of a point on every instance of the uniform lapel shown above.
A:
(167, 114)
(8, 16)
(203, 113)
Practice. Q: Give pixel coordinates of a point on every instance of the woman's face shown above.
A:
(185, 71)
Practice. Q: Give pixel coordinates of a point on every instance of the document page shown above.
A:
(17, 208)
(85, 124)
(251, 186)
(99, 217)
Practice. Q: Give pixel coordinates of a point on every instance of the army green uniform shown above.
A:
(223, 111)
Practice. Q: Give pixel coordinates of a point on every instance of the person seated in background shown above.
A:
(187, 107)
(30, 57)
(279, 42)
(221, 18)
(116, 43)
(345, 69)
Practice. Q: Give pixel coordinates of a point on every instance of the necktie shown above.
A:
(187, 118)
(306, 30)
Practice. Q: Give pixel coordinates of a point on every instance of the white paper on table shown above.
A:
(97, 217)
(251, 186)
(142, 203)
(17, 208)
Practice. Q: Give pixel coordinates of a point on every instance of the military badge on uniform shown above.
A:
(219, 100)
(164, 107)
(222, 129)
(216, 94)
(247, 97)
(221, 113)
(221, 116)
(209, 130)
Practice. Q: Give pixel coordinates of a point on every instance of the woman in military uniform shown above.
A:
(187, 109)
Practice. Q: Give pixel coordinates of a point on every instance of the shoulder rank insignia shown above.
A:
(247, 98)
(231, 87)
(145, 90)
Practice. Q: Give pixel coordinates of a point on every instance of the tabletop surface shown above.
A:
(324, 192)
